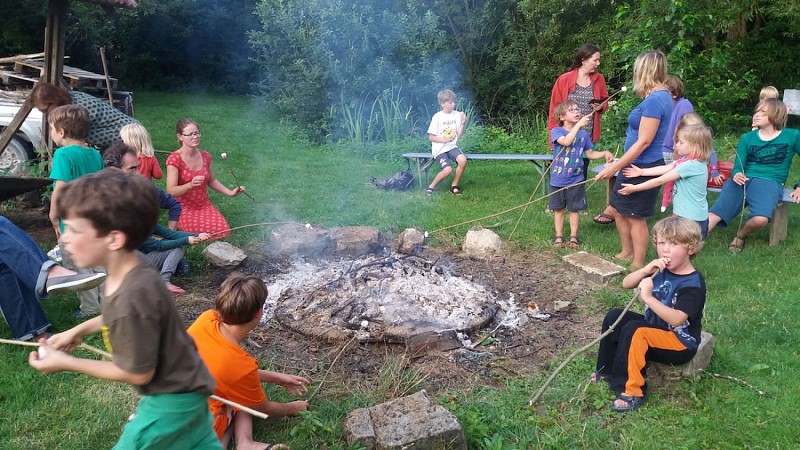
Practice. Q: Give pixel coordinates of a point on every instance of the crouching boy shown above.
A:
(217, 333)
(107, 216)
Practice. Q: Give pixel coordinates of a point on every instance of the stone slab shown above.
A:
(667, 372)
(593, 267)
(223, 254)
(414, 422)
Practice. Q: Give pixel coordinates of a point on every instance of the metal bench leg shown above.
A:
(779, 225)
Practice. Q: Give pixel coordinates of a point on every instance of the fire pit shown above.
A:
(385, 298)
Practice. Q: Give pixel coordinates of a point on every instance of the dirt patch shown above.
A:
(523, 351)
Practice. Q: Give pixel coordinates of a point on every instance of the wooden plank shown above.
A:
(10, 59)
(432, 341)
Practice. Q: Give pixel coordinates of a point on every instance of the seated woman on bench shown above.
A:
(763, 159)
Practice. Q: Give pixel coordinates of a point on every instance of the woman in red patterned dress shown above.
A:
(188, 173)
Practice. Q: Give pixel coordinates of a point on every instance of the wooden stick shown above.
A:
(324, 377)
(108, 355)
(105, 74)
(236, 179)
(252, 225)
(577, 352)
(242, 408)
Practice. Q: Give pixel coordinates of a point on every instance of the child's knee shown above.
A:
(447, 170)
(461, 160)
(759, 221)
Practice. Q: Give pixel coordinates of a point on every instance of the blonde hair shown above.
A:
(136, 136)
(776, 112)
(768, 92)
(445, 95)
(698, 138)
(649, 70)
(687, 119)
(680, 231)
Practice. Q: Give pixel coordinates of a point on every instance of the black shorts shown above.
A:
(573, 198)
(448, 157)
(639, 204)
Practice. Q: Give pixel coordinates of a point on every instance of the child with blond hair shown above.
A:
(674, 294)
(136, 136)
(689, 172)
(445, 129)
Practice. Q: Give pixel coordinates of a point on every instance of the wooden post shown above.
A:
(105, 74)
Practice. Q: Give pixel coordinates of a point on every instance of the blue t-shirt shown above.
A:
(689, 197)
(685, 293)
(657, 105)
(568, 161)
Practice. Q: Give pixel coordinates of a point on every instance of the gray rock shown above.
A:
(482, 243)
(223, 254)
(354, 242)
(592, 267)
(410, 241)
(299, 240)
(411, 422)
(560, 305)
(666, 372)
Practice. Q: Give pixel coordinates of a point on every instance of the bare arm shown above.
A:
(58, 361)
(647, 132)
(672, 175)
(215, 184)
(53, 215)
(173, 188)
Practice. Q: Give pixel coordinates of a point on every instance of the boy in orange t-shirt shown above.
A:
(217, 333)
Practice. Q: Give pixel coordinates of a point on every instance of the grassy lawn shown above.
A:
(751, 308)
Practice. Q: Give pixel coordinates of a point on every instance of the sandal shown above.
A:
(429, 191)
(455, 190)
(631, 403)
(603, 219)
(598, 377)
(736, 247)
(558, 241)
(574, 242)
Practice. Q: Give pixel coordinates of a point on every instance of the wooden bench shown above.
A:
(778, 226)
(541, 163)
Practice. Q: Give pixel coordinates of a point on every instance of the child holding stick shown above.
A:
(107, 216)
(669, 330)
(571, 144)
(689, 172)
(217, 333)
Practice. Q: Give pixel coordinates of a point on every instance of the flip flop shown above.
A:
(631, 403)
(603, 219)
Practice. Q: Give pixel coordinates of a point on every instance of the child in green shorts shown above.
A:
(107, 216)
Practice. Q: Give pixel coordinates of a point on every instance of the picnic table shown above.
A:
(541, 163)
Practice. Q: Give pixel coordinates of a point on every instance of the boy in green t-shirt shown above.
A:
(107, 216)
(69, 126)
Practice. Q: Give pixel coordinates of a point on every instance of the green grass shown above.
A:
(752, 306)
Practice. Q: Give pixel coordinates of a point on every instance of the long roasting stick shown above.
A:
(108, 355)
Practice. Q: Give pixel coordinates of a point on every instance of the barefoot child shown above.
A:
(217, 333)
(689, 172)
(446, 127)
(669, 330)
(138, 138)
(107, 216)
(571, 145)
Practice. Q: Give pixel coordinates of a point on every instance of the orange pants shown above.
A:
(625, 353)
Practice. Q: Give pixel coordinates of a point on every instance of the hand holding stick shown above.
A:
(236, 179)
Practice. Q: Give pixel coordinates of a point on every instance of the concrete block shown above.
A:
(593, 268)
(414, 422)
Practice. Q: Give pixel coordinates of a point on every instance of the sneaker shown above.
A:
(183, 268)
(77, 282)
